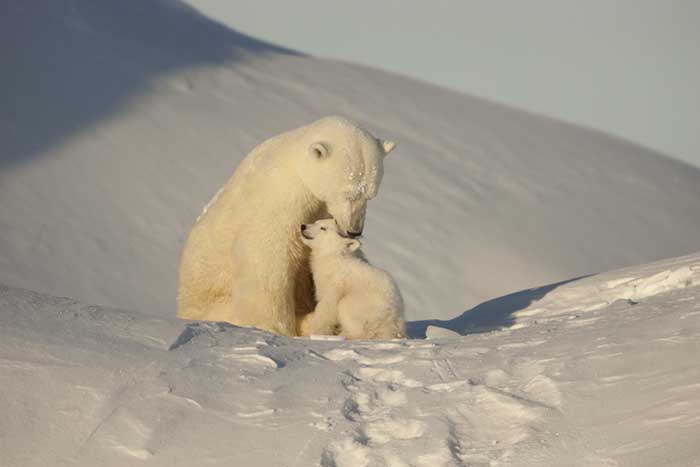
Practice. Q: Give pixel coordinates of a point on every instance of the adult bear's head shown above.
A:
(342, 165)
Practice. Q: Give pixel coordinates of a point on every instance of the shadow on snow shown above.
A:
(65, 64)
(488, 316)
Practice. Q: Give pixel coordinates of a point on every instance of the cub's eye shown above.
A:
(323, 228)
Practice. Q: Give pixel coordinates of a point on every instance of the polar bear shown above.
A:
(243, 261)
(355, 299)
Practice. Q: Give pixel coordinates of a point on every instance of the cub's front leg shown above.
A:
(324, 319)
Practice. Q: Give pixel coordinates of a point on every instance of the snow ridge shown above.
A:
(613, 385)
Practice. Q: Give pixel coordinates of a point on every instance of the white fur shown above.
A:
(355, 299)
(243, 261)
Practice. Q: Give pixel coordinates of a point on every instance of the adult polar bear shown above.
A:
(243, 261)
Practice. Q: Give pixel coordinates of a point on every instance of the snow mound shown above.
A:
(572, 297)
(630, 285)
(613, 385)
(120, 120)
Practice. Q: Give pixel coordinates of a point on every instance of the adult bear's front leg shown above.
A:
(262, 292)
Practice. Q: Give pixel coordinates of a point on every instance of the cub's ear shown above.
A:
(387, 145)
(352, 245)
(319, 150)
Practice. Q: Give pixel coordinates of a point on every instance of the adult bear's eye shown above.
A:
(323, 228)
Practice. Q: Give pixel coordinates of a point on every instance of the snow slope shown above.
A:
(120, 120)
(600, 371)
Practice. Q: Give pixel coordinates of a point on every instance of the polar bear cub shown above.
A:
(354, 298)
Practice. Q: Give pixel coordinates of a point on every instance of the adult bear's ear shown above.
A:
(387, 145)
(352, 245)
(319, 150)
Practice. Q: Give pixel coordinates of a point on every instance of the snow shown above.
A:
(116, 133)
(581, 295)
(616, 384)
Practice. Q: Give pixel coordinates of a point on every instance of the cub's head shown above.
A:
(342, 165)
(324, 236)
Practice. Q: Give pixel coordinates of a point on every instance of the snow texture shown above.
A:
(588, 385)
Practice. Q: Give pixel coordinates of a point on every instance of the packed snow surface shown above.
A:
(611, 381)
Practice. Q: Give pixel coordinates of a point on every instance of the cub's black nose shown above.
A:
(303, 227)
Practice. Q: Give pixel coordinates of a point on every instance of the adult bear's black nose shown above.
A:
(354, 234)
(303, 227)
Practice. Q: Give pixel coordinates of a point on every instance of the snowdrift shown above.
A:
(120, 120)
(613, 381)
